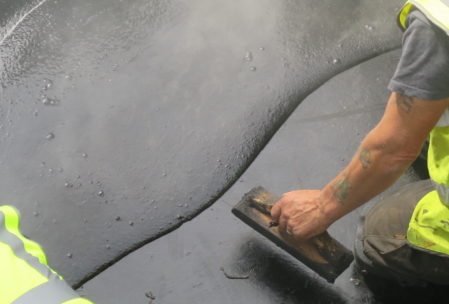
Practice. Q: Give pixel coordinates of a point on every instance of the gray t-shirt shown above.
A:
(423, 70)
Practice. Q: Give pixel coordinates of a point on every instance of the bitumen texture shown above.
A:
(121, 120)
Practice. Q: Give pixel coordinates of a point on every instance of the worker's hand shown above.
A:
(300, 214)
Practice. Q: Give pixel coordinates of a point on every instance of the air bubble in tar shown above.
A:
(248, 56)
(48, 84)
(45, 100)
(50, 136)
(49, 101)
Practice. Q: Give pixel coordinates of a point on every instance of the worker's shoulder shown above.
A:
(421, 28)
(417, 19)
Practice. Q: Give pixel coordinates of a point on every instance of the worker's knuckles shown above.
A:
(298, 232)
(289, 198)
(281, 207)
(283, 221)
(276, 211)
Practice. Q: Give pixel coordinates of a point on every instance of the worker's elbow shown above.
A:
(401, 159)
(394, 151)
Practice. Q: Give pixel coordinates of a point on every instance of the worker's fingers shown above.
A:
(290, 230)
(279, 215)
(283, 221)
(276, 211)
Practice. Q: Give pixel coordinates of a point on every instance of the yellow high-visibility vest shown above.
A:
(437, 11)
(429, 225)
(25, 277)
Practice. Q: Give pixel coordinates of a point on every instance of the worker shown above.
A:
(25, 276)
(405, 237)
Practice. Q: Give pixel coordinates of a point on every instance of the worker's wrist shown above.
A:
(330, 207)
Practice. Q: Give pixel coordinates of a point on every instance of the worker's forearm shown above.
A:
(376, 166)
(385, 153)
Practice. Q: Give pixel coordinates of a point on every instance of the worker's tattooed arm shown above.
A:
(384, 154)
(365, 157)
(405, 103)
(341, 189)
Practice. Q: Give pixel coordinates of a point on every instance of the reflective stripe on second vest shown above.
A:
(436, 11)
(24, 276)
(16, 264)
(10, 224)
(14, 270)
(54, 291)
(78, 301)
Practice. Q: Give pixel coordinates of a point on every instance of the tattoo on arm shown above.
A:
(405, 102)
(365, 158)
(341, 189)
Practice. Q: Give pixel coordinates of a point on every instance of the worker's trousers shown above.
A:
(381, 246)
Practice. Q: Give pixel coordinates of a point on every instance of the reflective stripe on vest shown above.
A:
(443, 192)
(25, 277)
(436, 11)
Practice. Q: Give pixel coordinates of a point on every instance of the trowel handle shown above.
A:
(264, 202)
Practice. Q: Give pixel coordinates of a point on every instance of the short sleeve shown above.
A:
(423, 69)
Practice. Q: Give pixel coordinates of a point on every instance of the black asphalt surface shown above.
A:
(121, 120)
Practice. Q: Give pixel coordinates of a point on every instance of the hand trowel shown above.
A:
(323, 254)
